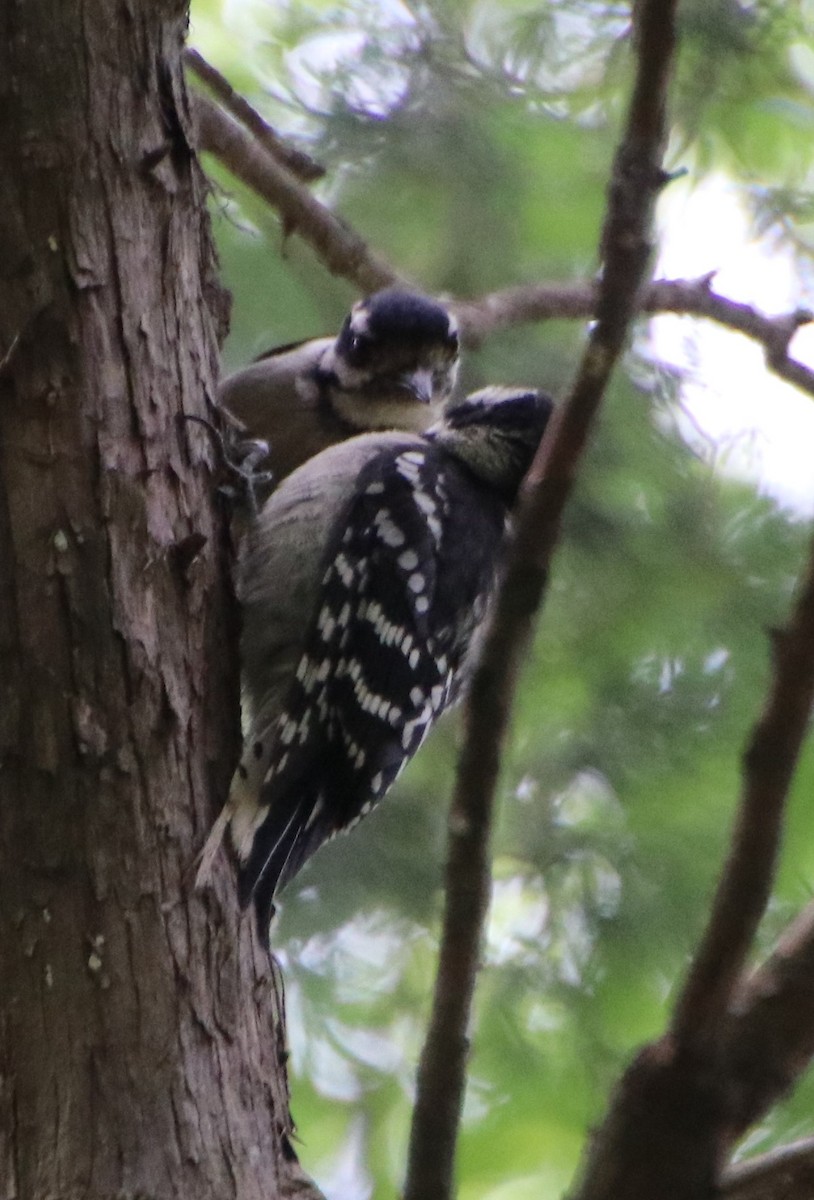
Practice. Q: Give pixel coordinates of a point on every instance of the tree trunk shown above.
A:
(139, 1035)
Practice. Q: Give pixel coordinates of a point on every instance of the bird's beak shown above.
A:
(419, 384)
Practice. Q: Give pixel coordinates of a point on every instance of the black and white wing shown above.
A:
(408, 572)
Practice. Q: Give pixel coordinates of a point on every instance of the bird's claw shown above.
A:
(239, 458)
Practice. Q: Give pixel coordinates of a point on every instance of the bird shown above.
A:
(365, 583)
(393, 365)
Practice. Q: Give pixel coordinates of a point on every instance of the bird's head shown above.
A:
(395, 361)
(496, 432)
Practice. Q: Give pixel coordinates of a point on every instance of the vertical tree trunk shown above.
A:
(138, 1034)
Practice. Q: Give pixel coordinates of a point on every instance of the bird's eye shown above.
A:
(357, 348)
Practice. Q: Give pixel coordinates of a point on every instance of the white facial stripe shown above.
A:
(360, 318)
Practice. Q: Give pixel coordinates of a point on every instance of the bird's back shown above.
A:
(276, 399)
(407, 571)
(283, 554)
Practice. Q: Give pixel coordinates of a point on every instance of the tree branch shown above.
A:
(339, 247)
(686, 1098)
(299, 163)
(767, 1041)
(270, 167)
(697, 298)
(626, 249)
(743, 891)
(768, 1038)
(684, 297)
(786, 1173)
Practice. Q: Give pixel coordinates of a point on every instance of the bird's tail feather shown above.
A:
(240, 815)
(282, 843)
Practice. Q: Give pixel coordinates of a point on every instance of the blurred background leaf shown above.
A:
(470, 142)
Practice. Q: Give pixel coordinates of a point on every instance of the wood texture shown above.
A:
(138, 1032)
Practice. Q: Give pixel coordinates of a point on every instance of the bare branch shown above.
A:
(786, 1173)
(768, 766)
(687, 297)
(345, 252)
(339, 247)
(768, 1040)
(636, 180)
(686, 1098)
(775, 333)
(299, 163)
(524, 304)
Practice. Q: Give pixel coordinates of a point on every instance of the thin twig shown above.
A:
(344, 251)
(299, 163)
(626, 249)
(689, 297)
(696, 297)
(743, 891)
(339, 247)
(786, 1173)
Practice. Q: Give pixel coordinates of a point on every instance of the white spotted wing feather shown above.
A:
(408, 569)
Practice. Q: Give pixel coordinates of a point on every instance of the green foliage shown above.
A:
(470, 142)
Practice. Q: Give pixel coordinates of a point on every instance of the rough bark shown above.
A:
(138, 1033)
